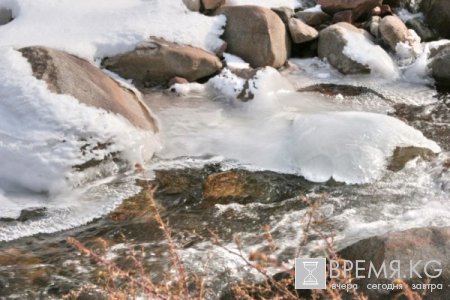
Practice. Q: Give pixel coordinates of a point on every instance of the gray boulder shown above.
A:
(437, 15)
(331, 46)
(256, 34)
(157, 61)
(440, 66)
(68, 74)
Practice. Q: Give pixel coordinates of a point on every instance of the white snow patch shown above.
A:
(95, 29)
(364, 51)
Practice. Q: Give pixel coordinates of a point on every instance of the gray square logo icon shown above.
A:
(310, 273)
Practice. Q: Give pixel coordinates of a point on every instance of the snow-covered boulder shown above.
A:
(70, 75)
(156, 61)
(256, 34)
(351, 51)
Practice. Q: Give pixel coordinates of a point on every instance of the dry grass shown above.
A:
(119, 283)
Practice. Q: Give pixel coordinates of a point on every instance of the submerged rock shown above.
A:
(68, 74)
(332, 42)
(402, 155)
(437, 15)
(214, 186)
(157, 61)
(419, 251)
(256, 34)
(240, 186)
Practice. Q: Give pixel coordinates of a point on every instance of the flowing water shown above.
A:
(292, 141)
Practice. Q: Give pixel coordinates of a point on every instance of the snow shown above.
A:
(364, 51)
(235, 62)
(95, 29)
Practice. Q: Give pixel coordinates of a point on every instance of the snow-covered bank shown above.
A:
(95, 29)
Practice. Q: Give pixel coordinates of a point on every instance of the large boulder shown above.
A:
(440, 66)
(332, 42)
(418, 251)
(68, 74)
(5, 15)
(256, 34)
(358, 7)
(437, 15)
(393, 31)
(157, 61)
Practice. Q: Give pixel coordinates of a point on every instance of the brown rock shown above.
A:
(68, 74)
(393, 31)
(402, 155)
(300, 32)
(358, 7)
(256, 34)
(155, 62)
(413, 249)
(313, 18)
(343, 16)
(212, 4)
